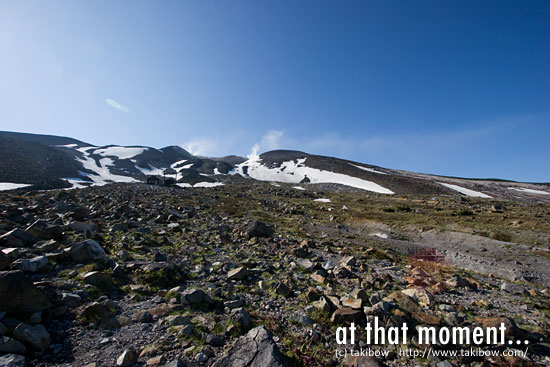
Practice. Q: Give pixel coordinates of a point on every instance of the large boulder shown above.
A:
(255, 349)
(86, 251)
(237, 273)
(18, 293)
(99, 279)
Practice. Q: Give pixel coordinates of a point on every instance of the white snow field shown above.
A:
(102, 175)
(368, 169)
(465, 191)
(4, 186)
(299, 188)
(529, 191)
(295, 172)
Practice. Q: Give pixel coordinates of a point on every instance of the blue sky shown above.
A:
(456, 88)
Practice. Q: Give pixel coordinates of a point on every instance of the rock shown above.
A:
(195, 297)
(70, 299)
(282, 289)
(201, 357)
(36, 336)
(421, 295)
(305, 263)
(354, 303)
(513, 288)
(379, 308)
(4, 261)
(257, 229)
(86, 251)
(127, 358)
(17, 238)
(458, 282)
(444, 363)
(512, 330)
(215, 340)
(18, 293)
(240, 273)
(9, 345)
(100, 314)
(405, 302)
(341, 272)
(324, 305)
(241, 317)
(348, 261)
(255, 349)
(361, 361)
(12, 360)
(343, 315)
(99, 279)
(44, 231)
(33, 265)
(175, 363)
(301, 252)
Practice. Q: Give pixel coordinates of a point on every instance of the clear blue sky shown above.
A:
(449, 87)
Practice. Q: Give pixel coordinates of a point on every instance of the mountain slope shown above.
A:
(46, 161)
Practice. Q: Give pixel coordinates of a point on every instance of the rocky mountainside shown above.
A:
(43, 161)
(254, 273)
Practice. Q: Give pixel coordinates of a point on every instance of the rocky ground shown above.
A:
(253, 274)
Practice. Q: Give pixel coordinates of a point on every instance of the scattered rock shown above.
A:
(86, 251)
(255, 349)
(36, 336)
(19, 294)
(239, 273)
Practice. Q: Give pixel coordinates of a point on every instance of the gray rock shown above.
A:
(237, 273)
(255, 349)
(9, 345)
(214, 340)
(99, 279)
(86, 251)
(70, 299)
(241, 317)
(33, 265)
(175, 363)
(194, 297)
(513, 288)
(19, 294)
(36, 336)
(12, 360)
(127, 358)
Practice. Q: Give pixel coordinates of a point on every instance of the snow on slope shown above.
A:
(529, 191)
(323, 200)
(368, 169)
(120, 152)
(152, 170)
(102, 175)
(11, 186)
(465, 191)
(295, 172)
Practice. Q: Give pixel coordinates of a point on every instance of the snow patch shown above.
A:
(120, 152)
(66, 146)
(299, 188)
(296, 172)
(152, 170)
(465, 191)
(368, 169)
(322, 200)
(529, 191)
(201, 184)
(4, 186)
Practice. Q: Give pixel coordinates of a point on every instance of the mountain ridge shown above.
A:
(49, 161)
